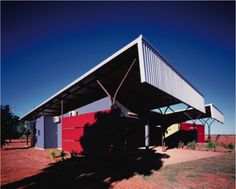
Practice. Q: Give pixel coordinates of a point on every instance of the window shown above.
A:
(38, 132)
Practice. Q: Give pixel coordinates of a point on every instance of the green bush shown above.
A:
(52, 154)
(230, 146)
(211, 144)
(192, 144)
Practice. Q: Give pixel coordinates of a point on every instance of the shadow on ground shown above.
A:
(84, 172)
(17, 148)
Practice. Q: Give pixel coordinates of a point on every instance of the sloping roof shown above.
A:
(152, 83)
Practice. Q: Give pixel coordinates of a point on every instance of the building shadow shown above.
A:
(182, 136)
(88, 172)
(104, 159)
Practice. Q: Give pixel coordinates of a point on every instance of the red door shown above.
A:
(73, 130)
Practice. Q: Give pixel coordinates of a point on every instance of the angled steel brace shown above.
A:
(104, 89)
(160, 110)
(202, 121)
(122, 81)
(171, 109)
(194, 120)
(164, 113)
(113, 98)
(166, 110)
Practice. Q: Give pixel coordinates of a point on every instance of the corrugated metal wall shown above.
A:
(159, 74)
(216, 114)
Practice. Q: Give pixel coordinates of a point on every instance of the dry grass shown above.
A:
(215, 172)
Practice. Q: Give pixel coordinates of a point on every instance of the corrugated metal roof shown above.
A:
(152, 83)
(159, 73)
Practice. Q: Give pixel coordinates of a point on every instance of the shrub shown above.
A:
(52, 154)
(230, 146)
(180, 144)
(217, 138)
(192, 144)
(211, 144)
(63, 154)
(73, 154)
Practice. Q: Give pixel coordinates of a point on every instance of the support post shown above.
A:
(209, 130)
(33, 131)
(61, 118)
(163, 144)
(62, 108)
(147, 136)
(209, 133)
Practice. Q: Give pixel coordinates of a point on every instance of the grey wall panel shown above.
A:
(102, 104)
(161, 75)
(39, 126)
(59, 135)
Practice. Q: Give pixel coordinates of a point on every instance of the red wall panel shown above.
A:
(200, 130)
(73, 130)
(201, 133)
(186, 126)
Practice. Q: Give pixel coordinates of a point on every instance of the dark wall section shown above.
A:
(50, 133)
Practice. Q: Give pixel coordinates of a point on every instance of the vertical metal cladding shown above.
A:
(216, 114)
(161, 75)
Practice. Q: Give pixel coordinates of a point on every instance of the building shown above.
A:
(121, 92)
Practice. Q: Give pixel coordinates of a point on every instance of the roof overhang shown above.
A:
(185, 115)
(152, 83)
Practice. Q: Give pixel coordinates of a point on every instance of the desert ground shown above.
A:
(24, 167)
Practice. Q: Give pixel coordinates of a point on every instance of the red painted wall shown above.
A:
(186, 126)
(201, 133)
(200, 130)
(73, 129)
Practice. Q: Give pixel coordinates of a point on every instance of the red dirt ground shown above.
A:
(19, 162)
(223, 139)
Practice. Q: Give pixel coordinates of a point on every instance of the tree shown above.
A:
(9, 123)
(22, 128)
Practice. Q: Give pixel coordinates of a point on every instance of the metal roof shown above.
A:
(151, 83)
(185, 115)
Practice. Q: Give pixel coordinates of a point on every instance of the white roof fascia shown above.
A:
(216, 114)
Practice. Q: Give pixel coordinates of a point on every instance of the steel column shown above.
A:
(147, 136)
(62, 108)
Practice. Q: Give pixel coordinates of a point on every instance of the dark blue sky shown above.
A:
(46, 45)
